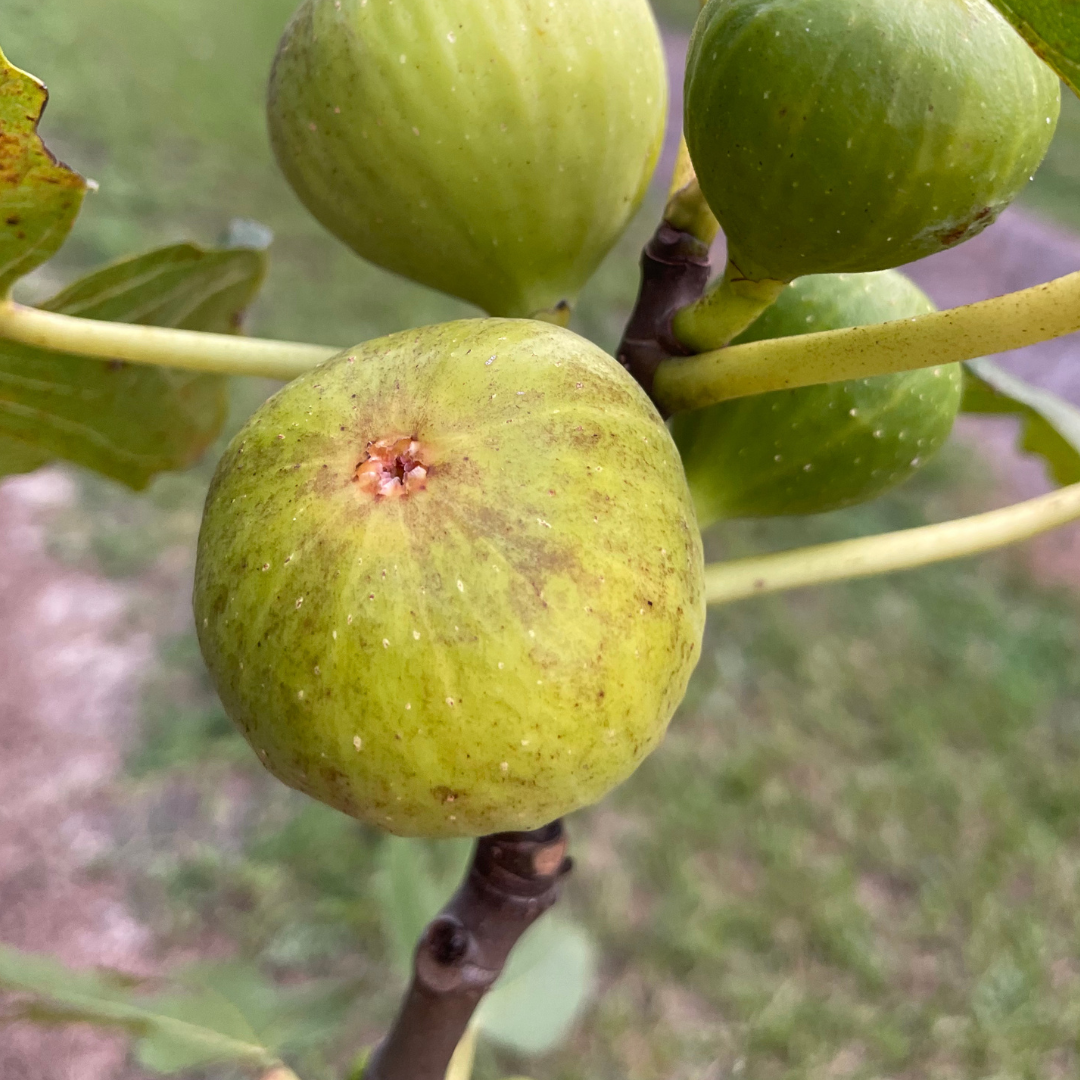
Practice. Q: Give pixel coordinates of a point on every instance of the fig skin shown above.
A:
(492, 149)
(820, 448)
(855, 135)
(487, 634)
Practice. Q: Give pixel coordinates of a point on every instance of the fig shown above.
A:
(820, 448)
(450, 582)
(842, 136)
(492, 149)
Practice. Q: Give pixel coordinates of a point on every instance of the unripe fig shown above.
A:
(450, 582)
(854, 135)
(820, 448)
(493, 149)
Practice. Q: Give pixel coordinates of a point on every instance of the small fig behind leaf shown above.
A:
(451, 582)
(493, 149)
(855, 135)
(820, 448)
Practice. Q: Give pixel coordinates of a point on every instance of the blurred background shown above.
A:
(856, 855)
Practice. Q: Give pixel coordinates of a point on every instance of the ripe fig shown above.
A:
(493, 149)
(854, 135)
(820, 448)
(450, 582)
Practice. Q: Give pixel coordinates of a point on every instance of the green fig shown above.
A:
(820, 448)
(840, 136)
(493, 149)
(450, 582)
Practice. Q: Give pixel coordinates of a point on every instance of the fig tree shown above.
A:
(820, 448)
(493, 149)
(838, 136)
(450, 582)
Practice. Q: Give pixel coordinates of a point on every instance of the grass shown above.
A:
(857, 853)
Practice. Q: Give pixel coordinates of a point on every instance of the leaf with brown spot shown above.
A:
(39, 196)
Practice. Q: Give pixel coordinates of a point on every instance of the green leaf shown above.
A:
(1052, 29)
(1050, 424)
(39, 196)
(545, 985)
(172, 1033)
(127, 421)
(18, 457)
(411, 892)
(299, 1016)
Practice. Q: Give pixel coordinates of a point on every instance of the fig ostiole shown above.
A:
(820, 448)
(451, 581)
(842, 136)
(492, 149)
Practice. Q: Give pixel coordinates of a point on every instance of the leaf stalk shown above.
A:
(866, 556)
(1007, 322)
(191, 350)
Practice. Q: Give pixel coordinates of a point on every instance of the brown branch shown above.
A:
(514, 878)
(674, 273)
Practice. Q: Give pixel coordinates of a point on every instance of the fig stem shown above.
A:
(1007, 322)
(866, 556)
(686, 208)
(513, 879)
(674, 272)
(725, 311)
(226, 354)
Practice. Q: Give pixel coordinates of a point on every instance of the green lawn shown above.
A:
(857, 853)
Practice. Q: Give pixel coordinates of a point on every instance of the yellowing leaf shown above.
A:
(39, 196)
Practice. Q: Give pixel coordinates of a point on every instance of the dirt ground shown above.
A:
(70, 661)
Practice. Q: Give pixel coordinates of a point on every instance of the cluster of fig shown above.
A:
(451, 581)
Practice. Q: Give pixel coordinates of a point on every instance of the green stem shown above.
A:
(559, 315)
(726, 310)
(686, 208)
(866, 556)
(189, 349)
(990, 326)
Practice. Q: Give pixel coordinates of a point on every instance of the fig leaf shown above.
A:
(1050, 424)
(19, 457)
(39, 196)
(411, 892)
(1052, 29)
(546, 984)
(126, 421)
(198, 1026)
